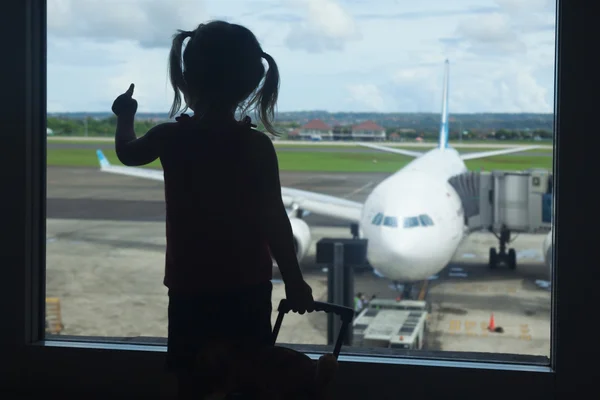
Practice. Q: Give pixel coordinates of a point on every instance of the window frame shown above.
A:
(60, 367)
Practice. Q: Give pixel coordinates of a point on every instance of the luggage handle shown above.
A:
(346, 314)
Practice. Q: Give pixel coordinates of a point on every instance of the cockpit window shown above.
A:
(377, 219)
(391, 222)
(411, 222)
(425, 220)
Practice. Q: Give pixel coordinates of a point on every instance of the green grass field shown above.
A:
(319, 161)
(93, 140)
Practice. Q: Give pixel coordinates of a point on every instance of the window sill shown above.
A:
(90, 365)
(383, 356)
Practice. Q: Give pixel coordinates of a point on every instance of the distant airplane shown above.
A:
(413, 220)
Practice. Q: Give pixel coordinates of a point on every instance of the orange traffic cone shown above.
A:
(492, 325)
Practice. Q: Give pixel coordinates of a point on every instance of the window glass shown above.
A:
(425, 220)
(390, 221)
(340, 85)
(377, 219)
(411, 222)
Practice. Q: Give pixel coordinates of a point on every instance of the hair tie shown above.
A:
(247, 121)
(183, 117)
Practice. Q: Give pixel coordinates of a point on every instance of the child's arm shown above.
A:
(277, 223)
(132, 151)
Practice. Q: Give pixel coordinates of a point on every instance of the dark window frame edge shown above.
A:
(559, 352)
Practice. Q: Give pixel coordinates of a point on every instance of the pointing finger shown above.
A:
(130, 90)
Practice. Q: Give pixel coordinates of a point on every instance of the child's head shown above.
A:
(221, 70)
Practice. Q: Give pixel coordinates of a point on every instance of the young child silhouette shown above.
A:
(225, 219)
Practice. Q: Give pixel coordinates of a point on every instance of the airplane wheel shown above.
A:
(512, 259)
(493, 258)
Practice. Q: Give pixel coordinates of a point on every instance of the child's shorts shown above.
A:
(193, 319)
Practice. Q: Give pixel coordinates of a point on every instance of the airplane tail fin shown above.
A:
(104, 163)
(444, 134)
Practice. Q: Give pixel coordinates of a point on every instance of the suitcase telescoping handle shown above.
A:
(346, 314)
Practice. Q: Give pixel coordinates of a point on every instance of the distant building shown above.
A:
(294, 134)
(342, 132)
(316, 129)
(368, 130)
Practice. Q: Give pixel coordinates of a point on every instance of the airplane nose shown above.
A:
(402, 242)
(410, 254)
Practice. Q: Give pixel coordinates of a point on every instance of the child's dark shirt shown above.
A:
(214, 182)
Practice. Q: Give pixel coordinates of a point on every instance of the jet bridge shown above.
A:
(504, 202)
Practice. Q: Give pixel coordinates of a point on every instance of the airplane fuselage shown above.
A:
(414, 219)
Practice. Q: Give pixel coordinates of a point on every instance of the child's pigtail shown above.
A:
(176, 70)
(267, 96)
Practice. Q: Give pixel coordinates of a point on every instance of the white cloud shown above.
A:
(388, 56)
(368, 96)
(528, 6)
(327, 26)
(491, 34)
(520, 91)
(151, 23)
(418, 89)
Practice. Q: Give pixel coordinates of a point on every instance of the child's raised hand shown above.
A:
(125, 105)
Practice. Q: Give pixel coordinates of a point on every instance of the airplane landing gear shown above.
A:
(407, 290)
(502, 256)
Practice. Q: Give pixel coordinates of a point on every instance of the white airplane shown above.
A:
(413, 220)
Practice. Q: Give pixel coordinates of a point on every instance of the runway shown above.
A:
(85, 193)
(105, 262)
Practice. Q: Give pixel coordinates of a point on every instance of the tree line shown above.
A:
(473, 134)
(105, 127)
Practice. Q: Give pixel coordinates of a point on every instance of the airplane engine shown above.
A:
(302, 237)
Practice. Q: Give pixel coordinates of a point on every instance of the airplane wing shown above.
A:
(316, 203)
(468, 156)
(322, 204)
(483, 154)
(391, 150)
(147, 173)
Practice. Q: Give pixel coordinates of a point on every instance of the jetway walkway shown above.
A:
(521, 201)
(503, 202)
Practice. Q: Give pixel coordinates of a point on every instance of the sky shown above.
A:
(333, 55)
